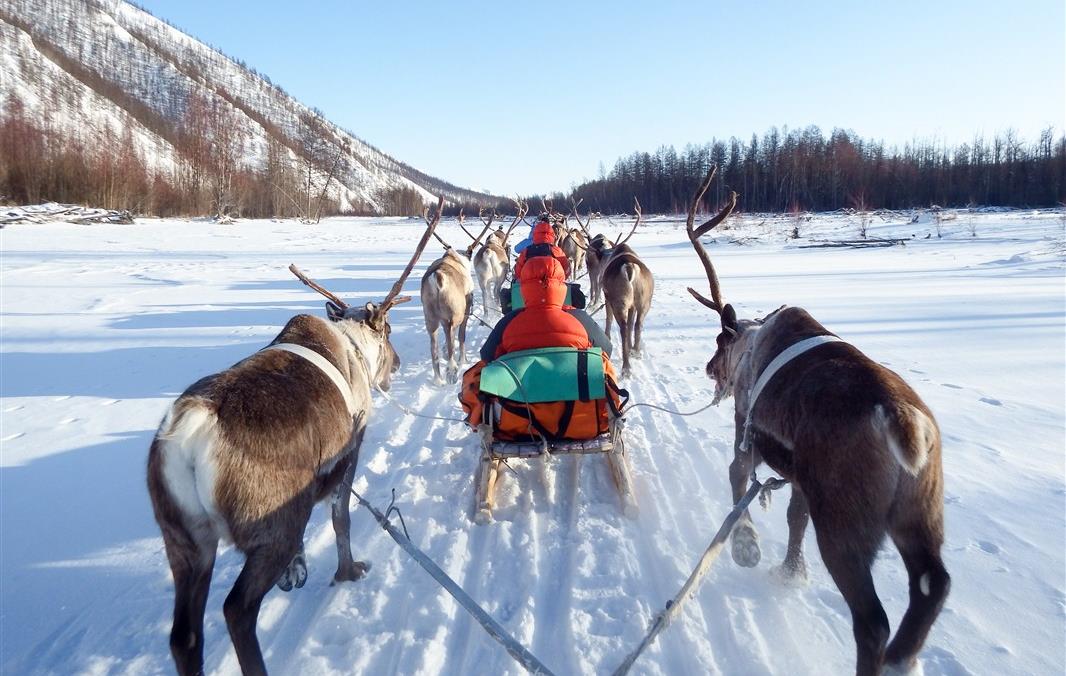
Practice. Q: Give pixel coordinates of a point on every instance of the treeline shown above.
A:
(802, 170)
(209, 176)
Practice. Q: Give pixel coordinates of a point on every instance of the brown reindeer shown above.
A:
(492, 262)
(627, 286)
(243, 455)
(448, 299)
(860, 448)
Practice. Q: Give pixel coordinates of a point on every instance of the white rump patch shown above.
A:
(189, 468)
(925, 433)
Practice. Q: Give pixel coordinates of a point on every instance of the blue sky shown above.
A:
(523, 97)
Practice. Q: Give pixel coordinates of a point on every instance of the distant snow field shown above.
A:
(103, 325)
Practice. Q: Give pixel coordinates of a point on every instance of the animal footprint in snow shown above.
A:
(988, 547)
(12, 409)
(991, 401)
(12, 437)
(67, 421)
(952, 386)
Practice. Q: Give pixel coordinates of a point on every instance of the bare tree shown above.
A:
(226, 151)
(321, 156)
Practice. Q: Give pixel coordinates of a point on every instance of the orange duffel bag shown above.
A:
(577, 418)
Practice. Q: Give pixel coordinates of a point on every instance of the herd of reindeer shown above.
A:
(243, 455)
(615, 272)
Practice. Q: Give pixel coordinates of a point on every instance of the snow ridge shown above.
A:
(86, 67)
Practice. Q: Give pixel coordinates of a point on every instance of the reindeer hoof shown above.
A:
(746, 552)
(295, 575)
(790, 574)
(356, 570)
(912, 668)
(483, 516)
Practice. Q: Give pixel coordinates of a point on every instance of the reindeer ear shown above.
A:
(375, 317)
(334, 311)
(729, 319)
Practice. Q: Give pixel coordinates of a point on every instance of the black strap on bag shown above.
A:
(583, 375)
(524, 411)
(564, 419)
(623, 394)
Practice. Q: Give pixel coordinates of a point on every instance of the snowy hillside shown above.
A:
(86, 67)
(103, 325)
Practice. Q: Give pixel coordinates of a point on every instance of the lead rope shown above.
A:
(527, 659)
(688, 590)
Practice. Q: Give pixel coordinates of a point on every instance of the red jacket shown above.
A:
(543, 322)
(545, 236)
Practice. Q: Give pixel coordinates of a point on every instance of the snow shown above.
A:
(104, 324)
(160, 66)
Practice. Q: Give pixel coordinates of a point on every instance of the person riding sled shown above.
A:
(542, 324)
(542, 243)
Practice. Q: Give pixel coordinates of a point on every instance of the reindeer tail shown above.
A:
(186, 440)
(630, 271)
(910, 433)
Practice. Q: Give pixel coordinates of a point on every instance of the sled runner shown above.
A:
(532, 404)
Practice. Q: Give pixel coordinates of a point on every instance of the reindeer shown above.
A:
(861, 450)
(492, 262)
(627, 285)
(448, 299)
(575, 243)
(243, 455)
(556, 218)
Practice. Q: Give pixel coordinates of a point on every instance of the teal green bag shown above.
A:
(546, 374)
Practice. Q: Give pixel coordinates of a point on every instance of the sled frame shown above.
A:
(494, 452)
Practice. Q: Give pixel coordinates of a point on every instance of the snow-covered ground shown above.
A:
(103, 325)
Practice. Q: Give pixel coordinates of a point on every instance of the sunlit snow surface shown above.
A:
(103, 325)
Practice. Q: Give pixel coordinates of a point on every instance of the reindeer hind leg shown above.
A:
(848, 544)
(433, 351)
(929, 584)
(449, 347)
(263, 566)
(192, 558)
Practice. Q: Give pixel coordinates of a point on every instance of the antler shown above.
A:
(394, 298)
(488, 224)
(715, 303)
(547, 207)
(309, 282)
(521, 209)
(583, 226)
(461, 218)
(432, 225)
(636, 206)
(577, 217)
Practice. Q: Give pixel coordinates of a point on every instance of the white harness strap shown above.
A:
(324, 365)
(787, 355)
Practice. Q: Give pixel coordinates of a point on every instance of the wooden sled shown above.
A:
(493, 452)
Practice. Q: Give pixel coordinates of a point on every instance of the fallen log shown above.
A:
(855, 243)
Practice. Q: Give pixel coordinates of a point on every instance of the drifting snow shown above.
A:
(103, 326)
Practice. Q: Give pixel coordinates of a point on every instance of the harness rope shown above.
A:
(494, 629)
(688, 590)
